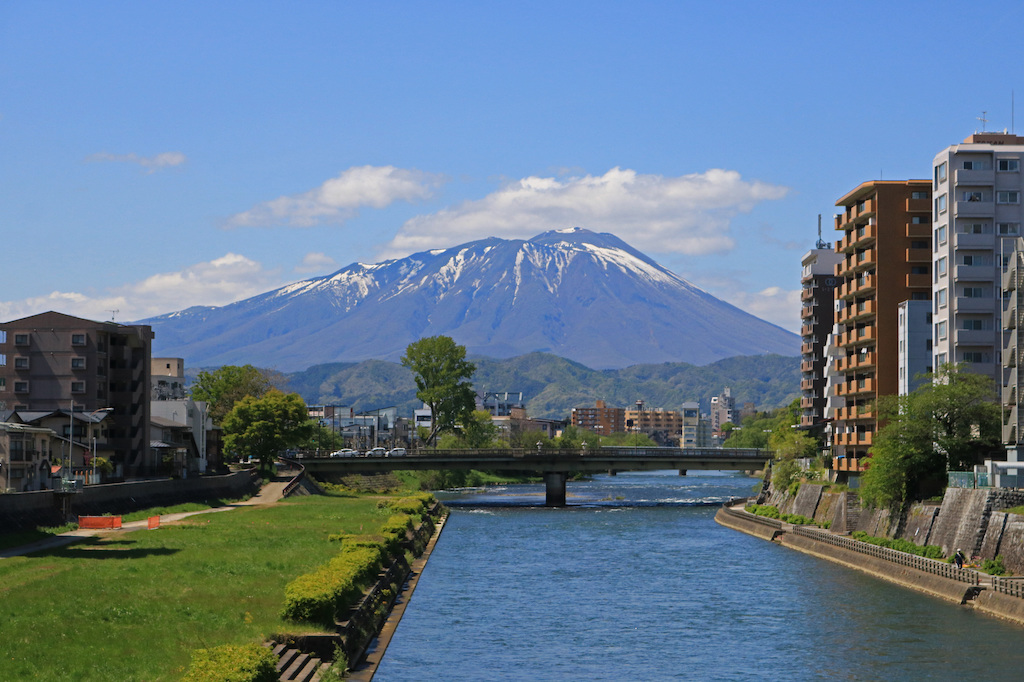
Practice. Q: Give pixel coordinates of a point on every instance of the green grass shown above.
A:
(134, 606)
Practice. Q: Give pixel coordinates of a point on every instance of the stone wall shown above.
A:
(920, 520)
(960, 520)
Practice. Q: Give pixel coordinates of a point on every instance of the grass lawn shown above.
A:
(133, 606)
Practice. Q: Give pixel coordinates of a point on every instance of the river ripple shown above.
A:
(635, 581)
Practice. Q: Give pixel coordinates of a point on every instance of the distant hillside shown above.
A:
(552, 386)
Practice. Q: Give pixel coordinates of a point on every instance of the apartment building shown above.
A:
(723, 408)
(817, 289)
(977, 187)
(53, 361)
(600, 419)
(1013, 347)
(915, 344)
(886, 249)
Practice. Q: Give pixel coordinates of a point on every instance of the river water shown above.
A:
(635, 581)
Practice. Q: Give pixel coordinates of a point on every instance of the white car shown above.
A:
(376, 452)
(345, 452)
(396, 452)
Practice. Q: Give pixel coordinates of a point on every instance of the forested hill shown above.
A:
(552, 386)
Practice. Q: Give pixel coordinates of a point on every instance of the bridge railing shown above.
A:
(610, 451)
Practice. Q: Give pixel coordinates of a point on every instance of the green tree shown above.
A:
(225, 386)
(948, 424)
(622, 439)
(479, 430)
(573, 437)
(262, 427)
(442, 375)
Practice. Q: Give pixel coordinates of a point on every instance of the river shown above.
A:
(635, 581)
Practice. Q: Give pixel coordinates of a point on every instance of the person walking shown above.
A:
(959, 559)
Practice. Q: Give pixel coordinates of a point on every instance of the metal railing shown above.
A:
(920, 563)
(1013, 587)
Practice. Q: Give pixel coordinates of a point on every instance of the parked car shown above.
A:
(345, 452)
(396, 452)
(377, 452)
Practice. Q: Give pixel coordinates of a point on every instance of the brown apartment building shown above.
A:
(601, 419)
(886, 248)
(53, 361)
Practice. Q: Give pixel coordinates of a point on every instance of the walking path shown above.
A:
(268, 494)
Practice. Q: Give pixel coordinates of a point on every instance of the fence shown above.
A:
(747, 516)
(920, 563)
(1011, 586)
(969, 479)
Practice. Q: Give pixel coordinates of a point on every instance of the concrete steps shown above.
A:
(292, 664)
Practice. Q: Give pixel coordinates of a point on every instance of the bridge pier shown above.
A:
(613, 472)
(682, 472)
(554, 489)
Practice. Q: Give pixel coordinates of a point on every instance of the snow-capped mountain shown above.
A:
(584, 296)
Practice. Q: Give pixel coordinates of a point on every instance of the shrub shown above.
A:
(233, 663)
(900, 545)
(764, 510)
(994, 566)
(317, 596)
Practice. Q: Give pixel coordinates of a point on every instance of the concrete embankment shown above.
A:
(981, 597)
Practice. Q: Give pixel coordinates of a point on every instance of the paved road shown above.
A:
(268, 494)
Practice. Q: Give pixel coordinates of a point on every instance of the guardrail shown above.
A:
(1013, 587)
(940, 568)
(611, 451)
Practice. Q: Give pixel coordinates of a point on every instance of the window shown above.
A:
(940, 235)
(1012, 165)
(78, 387)
(20, 363)
(975, 356)
(920, 295)
(940, 173)
(974, 228)
(940, 203)
(3, 360)
(21, 387)
(940, 359)
(21, 339)
(919, 220)
(971, 325)
(940, 330)
(78, 339)
(1007, 228)
(974, 259)
(940, 298)
(3, 383)
(940, 266)
(1007, 197)
(972, 196)
(918, 269)
(919, 195)
(974, 292)
(77, 363)
(917, 244)
(976, 165)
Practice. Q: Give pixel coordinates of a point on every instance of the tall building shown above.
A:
(977, 187)
(53, 361)
(915, 344)
(600, 419)
(886, 227)
(1013, 378)
(817, 287)
(723, 410)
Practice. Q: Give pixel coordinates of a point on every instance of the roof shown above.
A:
(167, 423)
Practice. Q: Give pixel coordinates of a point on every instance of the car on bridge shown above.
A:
(396, 452)
(376, 452)
(345, 452)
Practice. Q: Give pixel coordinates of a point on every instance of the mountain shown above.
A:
(584, 296)
(552, 386)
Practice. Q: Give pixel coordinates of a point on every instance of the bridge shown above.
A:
(554, 465)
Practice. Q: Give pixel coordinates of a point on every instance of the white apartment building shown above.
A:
(977, 188)
(914, 330)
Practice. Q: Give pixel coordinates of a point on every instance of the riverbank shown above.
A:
(969, 588)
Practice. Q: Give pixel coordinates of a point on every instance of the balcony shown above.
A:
(919, 255)
(862, 386)
(974, 273)
(807, 385)
(975, 177)
(807, 294)
(974, 241)
(918, 230)
(807, 330)
(806, 348)
(807, 366)
(850, 464)
(919, 205)
(963, 304)
(863, 235)
(974, 337)
(806, 403)
(975, 209)
(919, 281)
(862, 310)
(1011, 279)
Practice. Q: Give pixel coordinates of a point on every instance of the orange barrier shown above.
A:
(154, 522)
(99, 522)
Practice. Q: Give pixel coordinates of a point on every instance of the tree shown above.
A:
(442, 375)
(947, 424)
(262, 427)
(225, 386)
(479, 430)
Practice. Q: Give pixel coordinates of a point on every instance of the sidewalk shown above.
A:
(270, 493)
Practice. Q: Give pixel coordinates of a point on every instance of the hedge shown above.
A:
(233, 663)
(318, 596)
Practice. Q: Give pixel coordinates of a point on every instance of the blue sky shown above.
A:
(155, 156)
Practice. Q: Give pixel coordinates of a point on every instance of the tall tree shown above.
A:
(947, 424)
(262, 427)
(442, 376)
(225, 386)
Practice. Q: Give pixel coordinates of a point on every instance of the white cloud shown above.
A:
(340, 198)
(774, 304)
(315, 262)
(218, 282)
(688, 214)
(152, 163)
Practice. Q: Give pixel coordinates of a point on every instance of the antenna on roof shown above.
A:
(113, 313)
(983, 120)
(821, 244)
(1012, 130)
